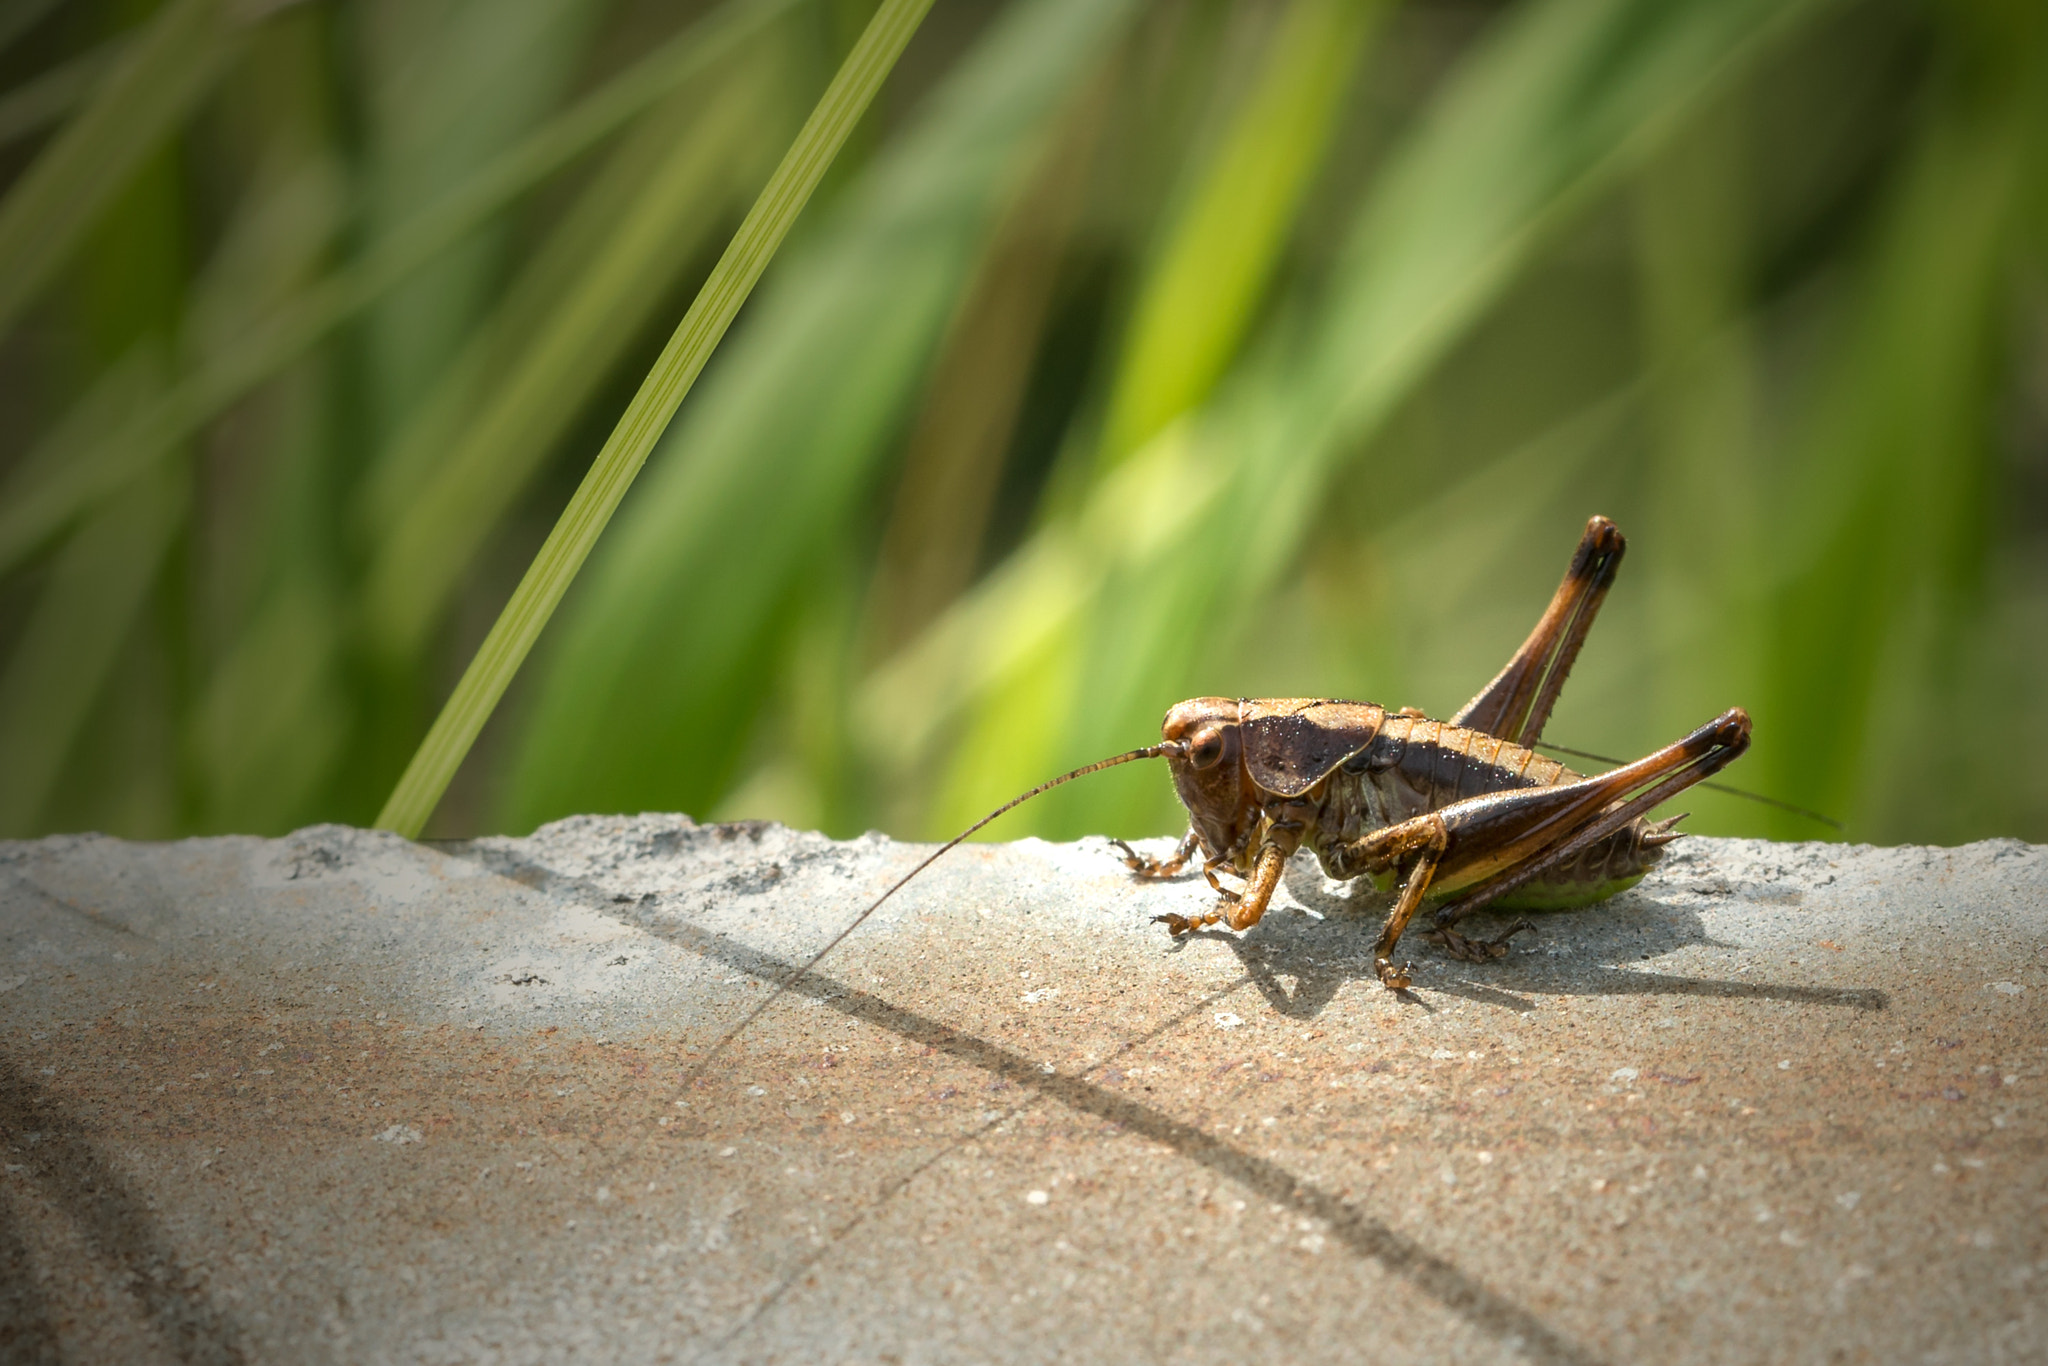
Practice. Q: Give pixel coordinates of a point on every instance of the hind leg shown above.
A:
(1503, 841)
(1517, 703)
(1468, 950)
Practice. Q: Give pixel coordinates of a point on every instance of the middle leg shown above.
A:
(1417, 845)
(1413, 888)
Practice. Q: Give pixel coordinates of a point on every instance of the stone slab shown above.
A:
(342, 1097)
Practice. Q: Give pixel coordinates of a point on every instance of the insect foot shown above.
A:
(1178, 925)
(1391, 977)
(1479, 950)
(1154, 867)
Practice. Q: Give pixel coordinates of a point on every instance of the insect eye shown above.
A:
(1207, 750)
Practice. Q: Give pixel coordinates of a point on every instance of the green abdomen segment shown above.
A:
(1533, 896)
(1613, 865)
(1561, 896)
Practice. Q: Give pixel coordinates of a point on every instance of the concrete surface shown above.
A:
(340, 1097)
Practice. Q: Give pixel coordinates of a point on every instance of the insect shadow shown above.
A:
(1371, 1239)
(1325, 950)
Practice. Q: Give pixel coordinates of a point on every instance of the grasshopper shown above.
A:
(1457, 814)
(1460, 813)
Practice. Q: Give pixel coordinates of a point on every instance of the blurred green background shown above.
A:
(1132, 351)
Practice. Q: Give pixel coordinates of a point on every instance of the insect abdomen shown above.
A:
(1415, 766)
(1612, 866)
(1421, 766)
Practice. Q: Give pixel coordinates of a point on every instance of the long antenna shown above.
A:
(1149, 752)
(1718, 787)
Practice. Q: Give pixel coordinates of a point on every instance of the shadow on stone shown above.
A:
(1501, 1318)
(1332, 947)
(25, 1332)
(112, 1220)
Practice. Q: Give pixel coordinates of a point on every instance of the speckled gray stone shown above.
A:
(341, 1097)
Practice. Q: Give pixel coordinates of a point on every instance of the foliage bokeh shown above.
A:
(1131, 352)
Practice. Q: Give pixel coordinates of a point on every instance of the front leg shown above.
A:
(1241, 911)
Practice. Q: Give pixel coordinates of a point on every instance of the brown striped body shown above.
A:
(1462, 813)
(1347, 769)
(1414, 766)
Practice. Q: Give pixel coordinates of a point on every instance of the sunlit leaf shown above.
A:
(1886, 498)
(1221, 252)
(1563, 98)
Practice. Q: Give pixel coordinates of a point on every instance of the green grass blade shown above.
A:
(99, 582)
(1885, 495)
(653, 220)
(651, 685)
(58, 664)
(20, 16)
(568, 255)
(272, 722)
(1691, 221)
(263, 710)
(44, 495)
(484, 682)
(949, 485)
(165, 72)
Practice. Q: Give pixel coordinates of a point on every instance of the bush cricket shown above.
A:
(1455, 814)
(1460, 813)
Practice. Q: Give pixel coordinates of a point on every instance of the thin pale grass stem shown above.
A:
(583, 521)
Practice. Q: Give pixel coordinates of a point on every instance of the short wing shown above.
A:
(1293, 743)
